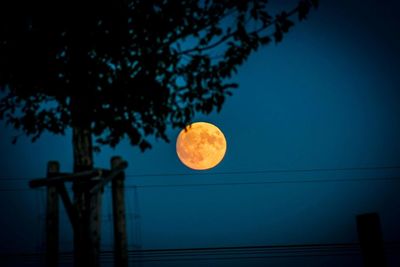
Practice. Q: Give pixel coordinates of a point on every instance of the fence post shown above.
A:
(118, 200)
(371, 240)
(94, 223)
(52, 217)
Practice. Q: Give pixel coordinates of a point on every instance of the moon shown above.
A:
(201, 146)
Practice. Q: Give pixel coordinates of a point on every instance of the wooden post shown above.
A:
(86, 225)
(371, 240)
(118, 200)
(94, 207)
(52, 217)
(80, 242)
(84, 212)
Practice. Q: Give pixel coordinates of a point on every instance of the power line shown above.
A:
(253, 248)
(220, 253)
(395, 179)
(376, 168)
(17, 190)
(306, 181)
(266, 171)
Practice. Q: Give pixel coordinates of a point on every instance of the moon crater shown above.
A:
(201, 146)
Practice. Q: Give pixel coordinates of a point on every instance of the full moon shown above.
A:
(201, 146)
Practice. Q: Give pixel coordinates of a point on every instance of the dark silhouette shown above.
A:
(371, 240)
(110, 69)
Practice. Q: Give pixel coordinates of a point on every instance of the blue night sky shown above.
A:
(312, 131)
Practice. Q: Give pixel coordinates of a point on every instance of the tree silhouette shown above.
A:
(128, 68)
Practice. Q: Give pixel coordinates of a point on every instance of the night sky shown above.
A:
(313, 140)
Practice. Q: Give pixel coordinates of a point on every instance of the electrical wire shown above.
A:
(376, 168)
(266, 171)
(395, 179)
(220, 253)
(304, 181)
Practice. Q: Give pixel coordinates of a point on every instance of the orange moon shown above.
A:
(201, 146)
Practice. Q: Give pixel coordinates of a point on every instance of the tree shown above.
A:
(111, 69)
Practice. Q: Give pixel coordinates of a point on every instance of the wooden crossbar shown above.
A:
(83, 211)
(86, 175)
(114, 173)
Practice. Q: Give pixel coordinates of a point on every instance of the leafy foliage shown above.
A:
(145, 64)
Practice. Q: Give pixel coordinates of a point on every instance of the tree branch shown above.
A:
(226, 37)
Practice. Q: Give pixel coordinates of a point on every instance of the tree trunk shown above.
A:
(88, 206)
(86, 232)
(87, 228)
